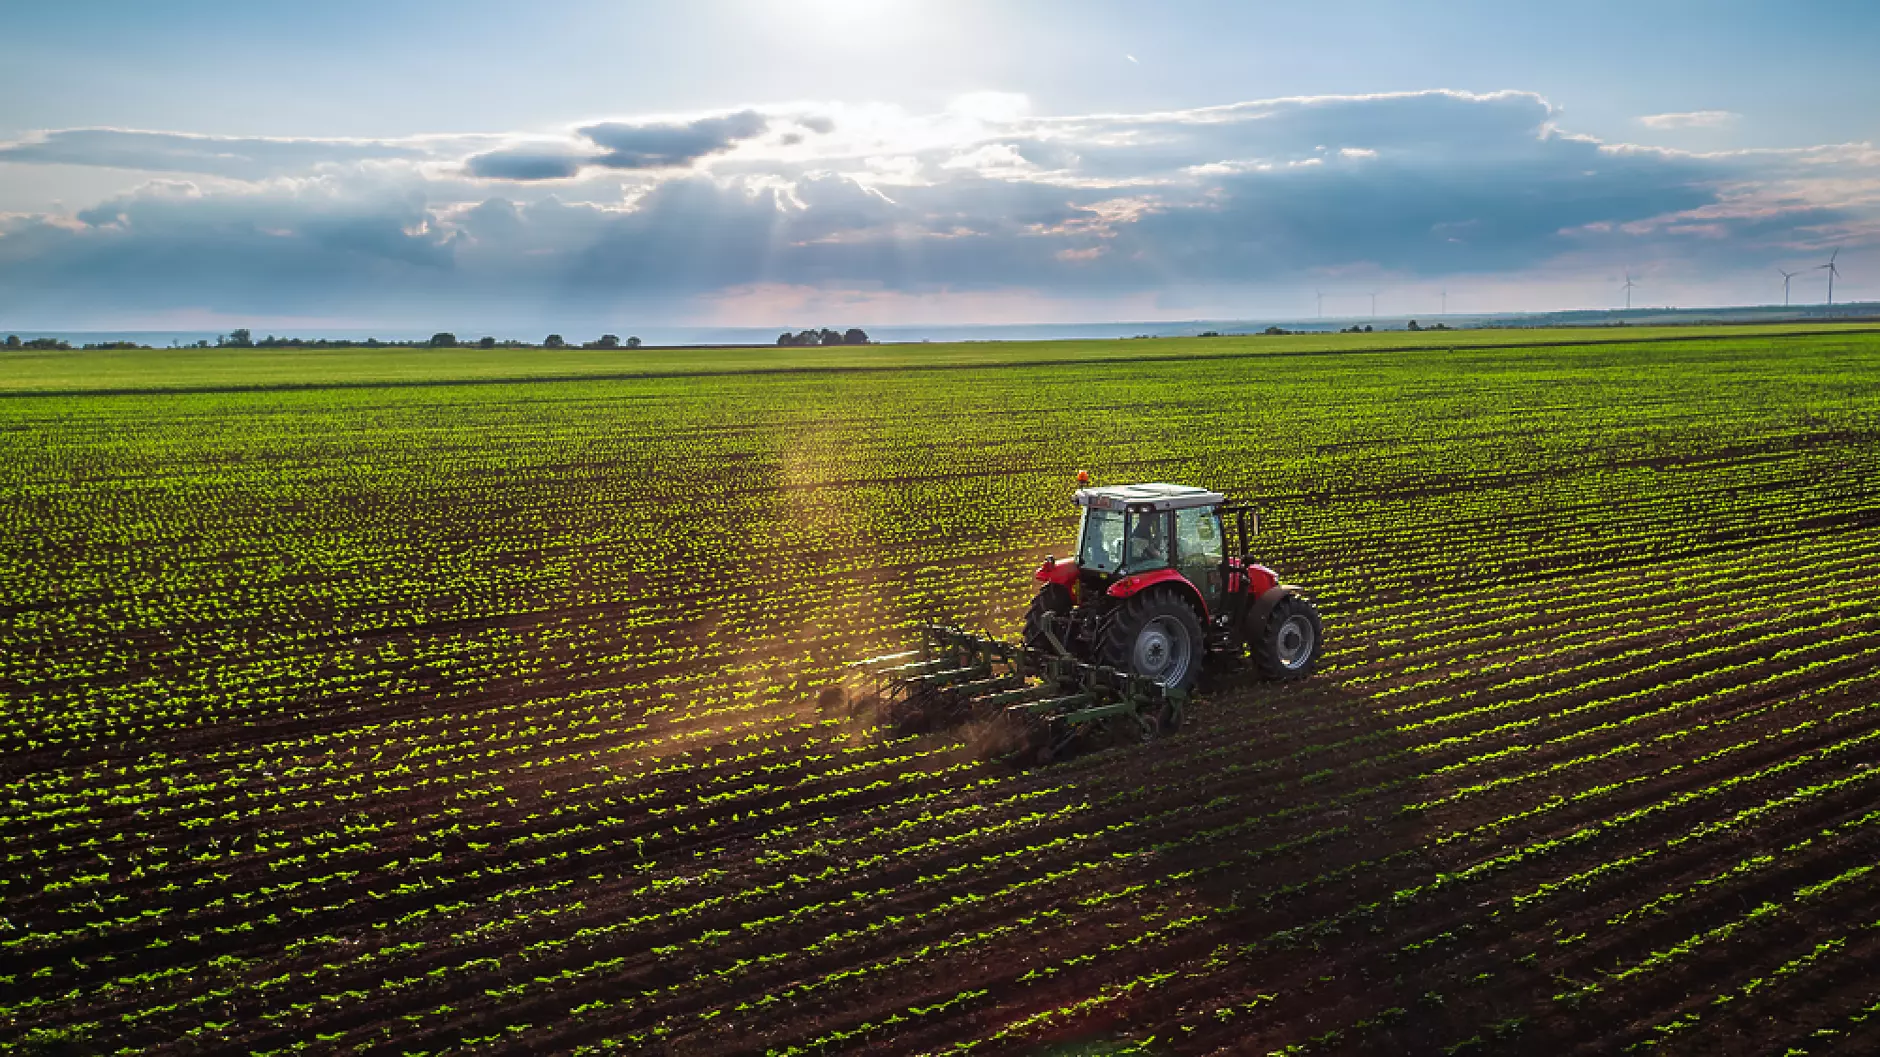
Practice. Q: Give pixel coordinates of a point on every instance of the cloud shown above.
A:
(177, 152)
(525, 163)
(662, 146)
(1691, 119)
(983, 203)
(622, 145)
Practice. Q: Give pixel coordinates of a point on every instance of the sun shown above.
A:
(856, 21)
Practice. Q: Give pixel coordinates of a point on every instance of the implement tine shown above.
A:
(1044, 690)
(869, 662)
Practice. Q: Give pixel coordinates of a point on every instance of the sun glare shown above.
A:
(868, 22)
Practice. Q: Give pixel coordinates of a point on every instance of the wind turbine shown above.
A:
(1832, 272)
(1445, 302)
(1321, 295)
(1786, 276)
(1374, 304)
(1629, 284)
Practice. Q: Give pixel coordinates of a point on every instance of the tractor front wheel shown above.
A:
(1289, 645)
(1156, 635)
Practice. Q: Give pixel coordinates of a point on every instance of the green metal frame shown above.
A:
(988, 675)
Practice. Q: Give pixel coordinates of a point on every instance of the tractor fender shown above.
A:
(1264, 605)
(1249, 578)
(1062, 572)
(1130, 585)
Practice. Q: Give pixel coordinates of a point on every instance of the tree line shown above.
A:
(825, 336)
(443, 339)
(243, 338)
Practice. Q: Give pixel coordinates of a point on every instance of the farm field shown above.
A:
(349, 706)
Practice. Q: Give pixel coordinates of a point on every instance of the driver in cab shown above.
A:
(1146, 543)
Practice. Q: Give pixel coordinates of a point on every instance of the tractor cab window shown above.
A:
(1198, 536)
(1199, 550)
(1148, 540)
(1101, 541)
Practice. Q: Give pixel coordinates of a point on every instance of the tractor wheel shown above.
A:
(1290, 644)
(1050, 607)
(1155, 635)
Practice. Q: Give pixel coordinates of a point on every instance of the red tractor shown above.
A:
(1158, 588)
(1118, 634)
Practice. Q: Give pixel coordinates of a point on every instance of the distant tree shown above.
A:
(553, 341)
(13, 341)
(1275, 330)
(45, 343)
(486, 343)
(633, 343)
(855, 336)
(1367, 328)
(1413, 325)
(608, 341)
(786, 338)
(239, 338)
(808, 337)
(443, 339)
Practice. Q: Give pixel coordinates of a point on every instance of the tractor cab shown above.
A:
(1132, 530)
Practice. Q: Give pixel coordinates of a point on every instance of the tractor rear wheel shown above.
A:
(1290, 644)
(1047, 610)
(1155, 635)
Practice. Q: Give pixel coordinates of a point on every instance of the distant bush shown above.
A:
(825, 336)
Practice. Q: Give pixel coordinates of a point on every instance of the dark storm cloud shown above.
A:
(1410, 216)
(165, 248)
(1446, 128)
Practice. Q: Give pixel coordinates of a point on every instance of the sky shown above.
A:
(506, 168)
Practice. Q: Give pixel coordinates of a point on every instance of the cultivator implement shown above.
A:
(1035, 703)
